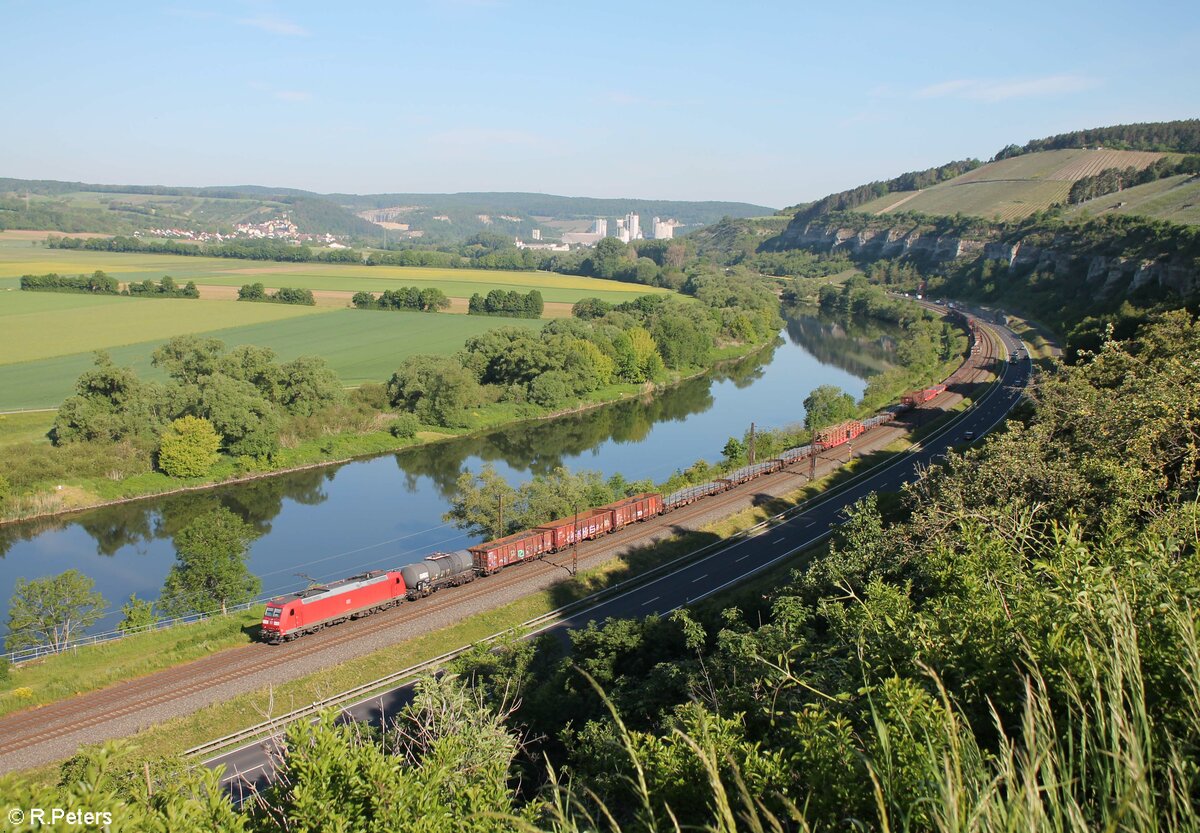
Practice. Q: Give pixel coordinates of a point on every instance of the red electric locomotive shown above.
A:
(310, 610)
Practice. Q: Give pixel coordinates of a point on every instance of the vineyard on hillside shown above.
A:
(1013, 188)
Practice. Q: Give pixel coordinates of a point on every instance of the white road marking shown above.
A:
(779, 540)
(652, 601)
(698, 578)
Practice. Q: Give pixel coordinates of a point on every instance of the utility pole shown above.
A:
(575, 545)
(751, 449)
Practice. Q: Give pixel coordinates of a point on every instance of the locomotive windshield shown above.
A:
(273, 612)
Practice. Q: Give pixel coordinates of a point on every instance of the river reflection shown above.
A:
(386, 511)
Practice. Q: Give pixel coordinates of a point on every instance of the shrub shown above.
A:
(96, 283)
(404, 426)
(188, 447)
(372, 394)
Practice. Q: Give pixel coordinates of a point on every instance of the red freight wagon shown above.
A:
(838, 434)
(920, 397)
(309, 610)
(591, 523)
(634, 509)
(493, 555)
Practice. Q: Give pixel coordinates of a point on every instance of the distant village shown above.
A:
(281, 228)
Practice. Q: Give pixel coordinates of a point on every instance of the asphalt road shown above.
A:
(250, 767)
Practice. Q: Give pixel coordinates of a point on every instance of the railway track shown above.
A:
(22, 730)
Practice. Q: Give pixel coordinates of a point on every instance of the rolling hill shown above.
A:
(1013, 188)
(123, 209)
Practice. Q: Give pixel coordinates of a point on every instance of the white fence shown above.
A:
(39, 651)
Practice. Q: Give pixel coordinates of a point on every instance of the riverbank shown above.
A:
(74, 495)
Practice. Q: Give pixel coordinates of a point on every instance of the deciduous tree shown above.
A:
(827, 405)
(136, 614)
(210, 570)
(188, 448)
(52, 610)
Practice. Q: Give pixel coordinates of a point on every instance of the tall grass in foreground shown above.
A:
(1087, 756)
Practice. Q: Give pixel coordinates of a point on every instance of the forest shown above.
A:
(1180, 136)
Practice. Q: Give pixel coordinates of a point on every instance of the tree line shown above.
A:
(636, 342)
(430, 299)
(911, 181)
(243, 394)
(283, 295)
(511, 304)
(1180, 136)
(100, 283)
(648, 262)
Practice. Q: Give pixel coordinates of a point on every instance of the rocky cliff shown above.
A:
(1062, 254)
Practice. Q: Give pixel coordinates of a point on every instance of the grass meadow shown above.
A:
(43, 325)
(361, 345)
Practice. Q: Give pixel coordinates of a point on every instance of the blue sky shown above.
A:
(773, 103)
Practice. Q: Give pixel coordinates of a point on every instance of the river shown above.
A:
(386, 511)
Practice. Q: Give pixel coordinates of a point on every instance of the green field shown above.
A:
(23, 259)
(40, 325)
(1176, 198)
(361, 345)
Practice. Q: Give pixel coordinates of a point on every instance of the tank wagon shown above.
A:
(309, 610)
(442, 569)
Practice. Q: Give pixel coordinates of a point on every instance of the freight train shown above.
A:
(310, 610)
